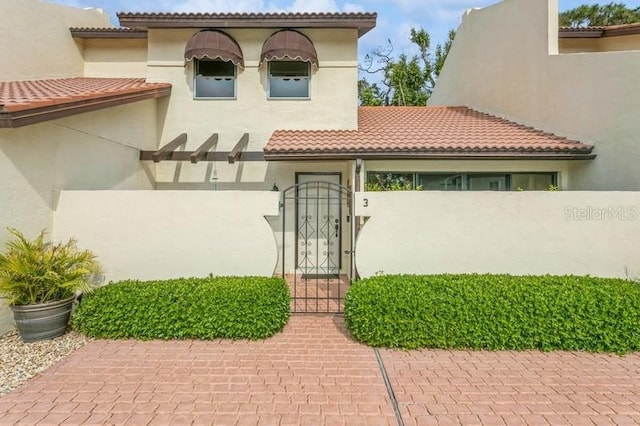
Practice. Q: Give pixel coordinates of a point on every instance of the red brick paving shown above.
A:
(314, 374)
(317, 295)
(515, 388)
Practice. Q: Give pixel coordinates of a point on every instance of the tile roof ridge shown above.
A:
(79, 78)
(423, 107)
(114, 29)
(249, 14)
(600, 27)
(299, 131)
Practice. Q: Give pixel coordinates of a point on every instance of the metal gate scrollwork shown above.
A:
(317, 244)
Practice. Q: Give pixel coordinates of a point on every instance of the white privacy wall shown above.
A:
(171, 234)
(522, 233)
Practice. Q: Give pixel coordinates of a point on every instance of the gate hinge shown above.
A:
(349, 252)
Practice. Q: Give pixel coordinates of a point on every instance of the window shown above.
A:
(288, 79)
(439, 182)
(532, 181)
(215, 79)
(408, 181)
(389, 181)
(487, 182)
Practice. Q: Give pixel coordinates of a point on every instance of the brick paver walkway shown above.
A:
(311, 374)
(314, 374)
(515, 388)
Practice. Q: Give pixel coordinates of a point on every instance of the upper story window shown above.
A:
(289, 79)
(290, 56)
(216, 60)
(214, 79)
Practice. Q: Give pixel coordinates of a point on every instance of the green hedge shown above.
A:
(495, 312)
(207, 308)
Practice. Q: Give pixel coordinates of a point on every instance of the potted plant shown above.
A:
(41, 280)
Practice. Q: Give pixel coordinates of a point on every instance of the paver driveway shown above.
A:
(313, 373)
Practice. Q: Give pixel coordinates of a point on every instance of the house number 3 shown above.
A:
(365, 202)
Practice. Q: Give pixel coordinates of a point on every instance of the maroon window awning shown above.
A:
(289, 45)
(214, 45)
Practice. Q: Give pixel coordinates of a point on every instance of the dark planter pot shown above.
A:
(43, 321)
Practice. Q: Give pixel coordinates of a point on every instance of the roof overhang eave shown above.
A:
(581, 34)
(27, 116)
(324, 156)
(363, 24)
(108, 33)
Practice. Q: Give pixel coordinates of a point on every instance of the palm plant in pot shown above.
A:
(41, 280)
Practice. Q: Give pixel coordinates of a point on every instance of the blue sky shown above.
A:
(395, 17)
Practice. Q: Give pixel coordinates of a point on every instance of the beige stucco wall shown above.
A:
(126, 58)
(604, 44)
(85, 151)
(172, 234)
(29, 30)
(6, 319)
(332, 104)
(504, 61)
(582, 233)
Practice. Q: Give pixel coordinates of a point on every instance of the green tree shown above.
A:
(405, 80)
(442, 50)
(369, 93)
(599, 15)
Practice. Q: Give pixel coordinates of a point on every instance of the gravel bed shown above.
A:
(21, 361)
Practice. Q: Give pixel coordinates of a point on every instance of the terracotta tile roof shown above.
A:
(251, 15)
(423, 131)
(362, 21)
(601, 31)
(114, 32)
(32, 101)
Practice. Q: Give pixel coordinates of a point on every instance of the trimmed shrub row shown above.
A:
(190, 308)
(496, 312)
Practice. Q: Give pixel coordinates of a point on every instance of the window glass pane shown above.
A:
(385, 181)
(288, 69)
(215, 87)
(288, 87)
(531, 181)
(215, 68)
(493, 182)
(288, 79)
(215, 79)
(439, 182)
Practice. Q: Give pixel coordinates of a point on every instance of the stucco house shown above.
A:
(164, 143)
(511, 59)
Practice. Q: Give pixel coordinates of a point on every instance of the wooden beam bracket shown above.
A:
(204, 151)
(166, 151)
(236, 152)
(201, 153)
